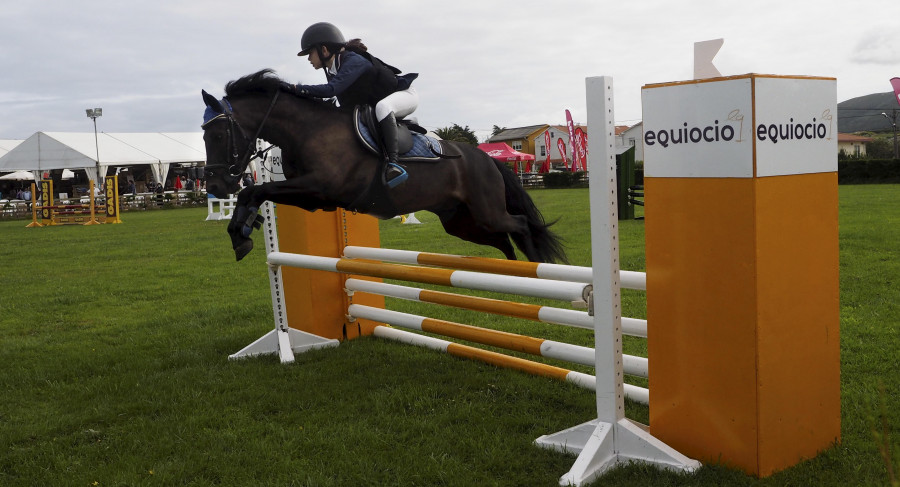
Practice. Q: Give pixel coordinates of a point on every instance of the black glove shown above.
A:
(288, 88)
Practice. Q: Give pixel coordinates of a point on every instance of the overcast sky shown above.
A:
(481, 63)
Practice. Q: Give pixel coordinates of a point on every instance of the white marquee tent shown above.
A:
(7, 145)
(45, 151)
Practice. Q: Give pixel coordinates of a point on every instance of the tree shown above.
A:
(458, 134)
(497, 129)
(880, 148)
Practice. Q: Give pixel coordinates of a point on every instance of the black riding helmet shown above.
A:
(318, 34)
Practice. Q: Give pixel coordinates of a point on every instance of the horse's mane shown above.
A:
(264, 81)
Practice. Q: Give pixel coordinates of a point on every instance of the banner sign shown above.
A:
(581, 148)
(46, 198)
(561, 146)
(741, 127)
(895, 82)
(571, 127)
(546, 167)
(112, 197)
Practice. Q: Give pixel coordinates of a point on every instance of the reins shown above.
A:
(240, 166)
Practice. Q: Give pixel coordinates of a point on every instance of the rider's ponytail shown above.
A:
(356, 45)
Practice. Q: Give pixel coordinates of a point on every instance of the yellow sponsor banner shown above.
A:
(112, 200)
(46, 198)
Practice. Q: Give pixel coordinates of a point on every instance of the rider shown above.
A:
(356, 77)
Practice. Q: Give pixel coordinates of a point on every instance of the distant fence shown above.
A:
(21, 210)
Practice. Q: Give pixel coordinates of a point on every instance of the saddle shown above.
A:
(412, 142)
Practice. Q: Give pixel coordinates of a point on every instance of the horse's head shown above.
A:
(228, 149)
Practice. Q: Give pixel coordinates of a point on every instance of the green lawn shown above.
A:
(114, 342)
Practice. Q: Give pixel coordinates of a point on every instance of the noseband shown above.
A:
(237, 163)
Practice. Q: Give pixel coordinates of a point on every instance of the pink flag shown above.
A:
(546, 166)
(895, 82)
(561, 145)
(571, 127)
(580, 148)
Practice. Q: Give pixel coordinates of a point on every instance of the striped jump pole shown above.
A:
(636, 366)
(573, 292)
(629, 279)
(498, 359)
(586, 381)
(545, 314)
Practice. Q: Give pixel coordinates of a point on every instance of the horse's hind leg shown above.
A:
(460, 224)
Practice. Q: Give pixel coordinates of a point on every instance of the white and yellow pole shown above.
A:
(93, 220)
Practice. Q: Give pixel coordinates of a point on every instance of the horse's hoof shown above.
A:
(243, 249)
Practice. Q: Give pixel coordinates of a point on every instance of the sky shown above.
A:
(481, 63)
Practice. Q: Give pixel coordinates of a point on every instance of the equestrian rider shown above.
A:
(355, 77)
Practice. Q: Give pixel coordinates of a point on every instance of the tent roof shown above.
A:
(7, 145)
(171, 147)
(69, 150)
(503, 152)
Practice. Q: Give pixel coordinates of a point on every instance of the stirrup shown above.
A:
(396, 180)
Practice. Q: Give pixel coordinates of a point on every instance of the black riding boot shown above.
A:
(394, 174)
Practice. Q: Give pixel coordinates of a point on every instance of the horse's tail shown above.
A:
(548, 245)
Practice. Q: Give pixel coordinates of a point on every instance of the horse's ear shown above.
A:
(212, 103)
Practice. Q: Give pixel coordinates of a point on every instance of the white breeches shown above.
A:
(402, 103)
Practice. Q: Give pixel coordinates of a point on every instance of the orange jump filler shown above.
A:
(742, 268)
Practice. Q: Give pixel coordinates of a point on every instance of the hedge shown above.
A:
(869, 171)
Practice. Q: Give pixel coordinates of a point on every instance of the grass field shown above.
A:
(114, 342)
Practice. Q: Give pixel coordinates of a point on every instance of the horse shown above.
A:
(326, 166)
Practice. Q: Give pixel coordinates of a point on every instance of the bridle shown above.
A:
(236, 162)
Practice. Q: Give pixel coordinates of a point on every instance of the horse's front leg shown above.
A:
(246, 215)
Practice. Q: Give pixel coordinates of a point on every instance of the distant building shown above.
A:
(530, 140)
(632, 136)
(853, 145)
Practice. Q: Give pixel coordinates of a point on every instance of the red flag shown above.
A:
(546, 166)
(580, 144)
(895, 82)
(561, 145)
(571, 127)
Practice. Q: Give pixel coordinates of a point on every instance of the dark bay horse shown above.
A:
(325, 166)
